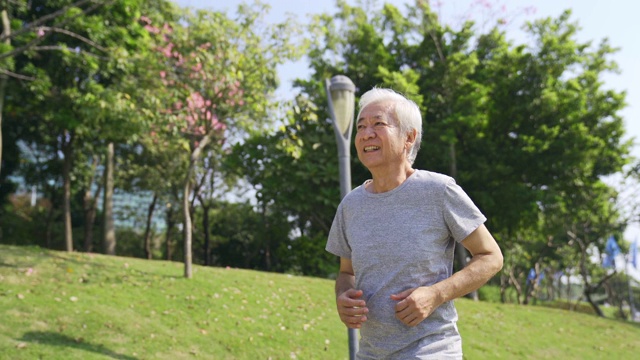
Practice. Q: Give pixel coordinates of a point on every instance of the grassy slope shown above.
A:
(79, 306)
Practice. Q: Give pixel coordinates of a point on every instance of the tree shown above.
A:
(75, 97)
(295, 174)
(25, 30)
(516, 125)
(220, 75)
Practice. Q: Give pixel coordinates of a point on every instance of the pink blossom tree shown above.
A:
(216, 75)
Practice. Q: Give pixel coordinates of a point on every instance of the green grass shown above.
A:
(57, 305)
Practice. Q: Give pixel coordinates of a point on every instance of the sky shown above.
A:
(616, 20)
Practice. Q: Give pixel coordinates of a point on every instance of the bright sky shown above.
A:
(616, 20)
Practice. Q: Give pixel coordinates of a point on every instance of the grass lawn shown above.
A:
(58, 305)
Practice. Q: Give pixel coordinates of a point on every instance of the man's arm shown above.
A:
(351, 309)
(415, 305)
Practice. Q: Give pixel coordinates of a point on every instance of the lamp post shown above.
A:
(341, 96)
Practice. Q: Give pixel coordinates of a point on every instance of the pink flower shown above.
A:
(195, 101)
(166, 51)
(219, 126)
(152, 29)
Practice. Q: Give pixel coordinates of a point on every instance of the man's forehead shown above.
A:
(378, 110)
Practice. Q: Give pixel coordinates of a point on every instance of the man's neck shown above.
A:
(389, 179)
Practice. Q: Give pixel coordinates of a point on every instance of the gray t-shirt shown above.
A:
(401, 239)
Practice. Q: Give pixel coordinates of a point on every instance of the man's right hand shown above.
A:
(352, 310)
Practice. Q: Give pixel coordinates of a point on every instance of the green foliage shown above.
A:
(294, 172)
(524, 129)
(490, 293)
(245, 238)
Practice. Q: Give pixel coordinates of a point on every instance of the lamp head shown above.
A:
(342, 101)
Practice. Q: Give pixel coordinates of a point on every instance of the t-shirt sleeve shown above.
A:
(337, 242)
(460, 213)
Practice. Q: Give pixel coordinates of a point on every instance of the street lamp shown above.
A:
(341, 91)
(341, 96)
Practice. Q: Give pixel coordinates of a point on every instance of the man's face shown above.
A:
(378, 138)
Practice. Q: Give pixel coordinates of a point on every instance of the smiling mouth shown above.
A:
(371, 148)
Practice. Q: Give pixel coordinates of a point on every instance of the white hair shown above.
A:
(406, 112)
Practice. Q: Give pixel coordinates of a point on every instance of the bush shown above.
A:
(581, 307)
(489, 293)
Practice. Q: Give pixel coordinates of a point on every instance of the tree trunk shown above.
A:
(168, 236)
(504, 283)
(147, 230)
(267, 242)
(90, 211)
(6, 30)
(90, 208)
(109, 239)
(193, 159)
(596, 308)
(532, 287)
(588, 288)
(48, 227)
(187, 223)
(207, 232)
(66, 199)
(516, 285)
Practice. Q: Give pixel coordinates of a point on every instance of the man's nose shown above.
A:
(368, 132)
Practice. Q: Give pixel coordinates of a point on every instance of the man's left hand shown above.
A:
(416, 304)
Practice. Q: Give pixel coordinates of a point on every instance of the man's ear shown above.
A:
(411, 138)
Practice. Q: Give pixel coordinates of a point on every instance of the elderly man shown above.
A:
(395, 236)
